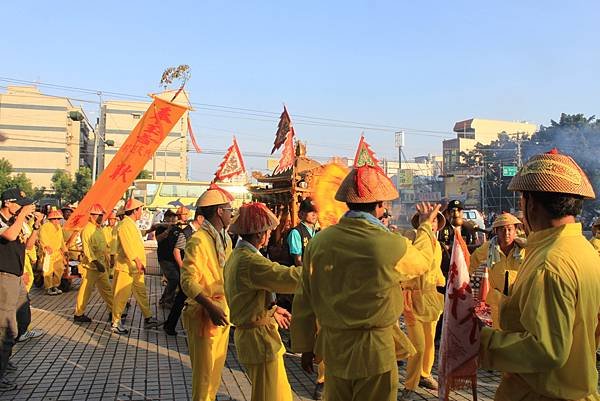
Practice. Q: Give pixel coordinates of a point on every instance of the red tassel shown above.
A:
(191, 132)
(553, 151)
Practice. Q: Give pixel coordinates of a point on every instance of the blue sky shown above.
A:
(415, 65)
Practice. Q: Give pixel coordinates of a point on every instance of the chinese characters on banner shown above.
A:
(131, 158)
(288, 154)
(232, 164)
(284, 127)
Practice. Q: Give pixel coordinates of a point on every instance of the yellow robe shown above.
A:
(496, 276)
(130, 247)
(351, 284)
(201, 273)
(548, 340)
(51, 236)
(595, 241)
(249, 280)
(110, 235)
(423, 305)
(94, 249)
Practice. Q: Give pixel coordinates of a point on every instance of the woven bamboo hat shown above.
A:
(505, 219)
(366, 184)
(552, 172)
(440, 218)
(214, 195)
(97, 209)
(132, 204)
(55, 214)
(253, 218)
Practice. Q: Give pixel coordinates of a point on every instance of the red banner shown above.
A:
(365, 156)
(192, 137)
(131, 158)
(284, 127)
(288, 154)
(232, 164)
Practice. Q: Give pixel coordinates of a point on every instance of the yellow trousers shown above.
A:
(207, 355)
(422, 335)
(383, 387)
(54, 274)
(124, 283)
(269, 380)
(89, 280)
(512, 387)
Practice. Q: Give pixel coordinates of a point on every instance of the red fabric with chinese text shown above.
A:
(288, 154)
(459, 346)
(131, 158)
(232, 164)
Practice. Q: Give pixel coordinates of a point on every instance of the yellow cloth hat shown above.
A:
(366, 184)
(504, 220)
(214, 195)
(440, 218)
(552, 172)
(132, 204)
(253, 218)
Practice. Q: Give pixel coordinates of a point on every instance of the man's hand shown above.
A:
(307, 361)
(216, 314)
(38, 218)
(48, 250)
(283, 317)
(427, 212)
(140, 267)
(26, 211)
(98, 266)
(25, 277)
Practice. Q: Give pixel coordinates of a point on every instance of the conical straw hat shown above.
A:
(366, 184)
(253, 218)
(552, 172)
(504, 220)
(214, 195)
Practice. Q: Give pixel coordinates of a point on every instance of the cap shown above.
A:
(366, 184)
(455, 204)
(17, 196)
(505, 219)
(253, 218)
(97, 209)
(440, 218)
(552, 172)
(214, 195)
(132, 204)
(307, 205)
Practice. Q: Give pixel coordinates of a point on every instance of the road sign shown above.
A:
(509, 171)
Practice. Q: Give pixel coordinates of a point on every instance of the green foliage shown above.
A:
(62, 185)
(69, 190)
(144, 175)
(82, 184)
(8, 180)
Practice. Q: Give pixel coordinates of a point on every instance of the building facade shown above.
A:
(477, 130)
(42, 134)
(119, 117)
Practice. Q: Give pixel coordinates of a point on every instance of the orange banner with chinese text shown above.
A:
(131, 158)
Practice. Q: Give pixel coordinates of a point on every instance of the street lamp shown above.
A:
(165, 154)
(107, 142)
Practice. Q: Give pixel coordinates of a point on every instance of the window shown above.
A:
(136, 116)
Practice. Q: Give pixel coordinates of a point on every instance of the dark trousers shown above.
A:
(176, 309)
(13, 296)
(23, 317)
(171, 272)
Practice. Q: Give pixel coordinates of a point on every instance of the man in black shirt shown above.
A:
(164, 238)
(15, 237)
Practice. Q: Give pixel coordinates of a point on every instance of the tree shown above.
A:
(7, 180)
(82, 184)
(62, 185)
(144, 174)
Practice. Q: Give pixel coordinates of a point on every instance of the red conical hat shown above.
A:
(366, 184)
(132, 204)
(253, 218)
(97, 209)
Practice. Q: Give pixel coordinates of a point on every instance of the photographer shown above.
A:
(15, 211)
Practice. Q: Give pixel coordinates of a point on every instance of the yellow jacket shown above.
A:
(422, 301)
(549, 321)
(595, 241)
(201, 272)
(249, 279)
(94, 247)
(130, 246)
(351, 285)
(110, 236)
(51, 236)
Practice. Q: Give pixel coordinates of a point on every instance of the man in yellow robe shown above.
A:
(503, 256)
(53, 244)
(423, 305)
(205, 315)
(547, 345)
(94, 265)
(250, 278)
(351, 285)
(131, 265)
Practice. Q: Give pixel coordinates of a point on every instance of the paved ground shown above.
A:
(87, 362)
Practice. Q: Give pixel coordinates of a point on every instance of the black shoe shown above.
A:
(81, 319)
(170, 331)
(318, 394)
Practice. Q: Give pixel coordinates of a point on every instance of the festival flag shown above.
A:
(365, 156)
(460, 331)
(284, 127)
(192, 137)
(288, 154)
(138, 149)
(232, 164)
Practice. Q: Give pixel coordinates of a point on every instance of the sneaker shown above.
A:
(170, 331)
(81, 319)
(6, 384)
(318, 393)
(429, 383)
(51, 291)
(150, 323)
(119, 329)
(29, 334)
(58, 290)
(11, 367)
(409, 395)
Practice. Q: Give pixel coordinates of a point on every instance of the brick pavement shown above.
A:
(87, 362)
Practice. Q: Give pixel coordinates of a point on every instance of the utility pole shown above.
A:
(97, 135)
(399, 145)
